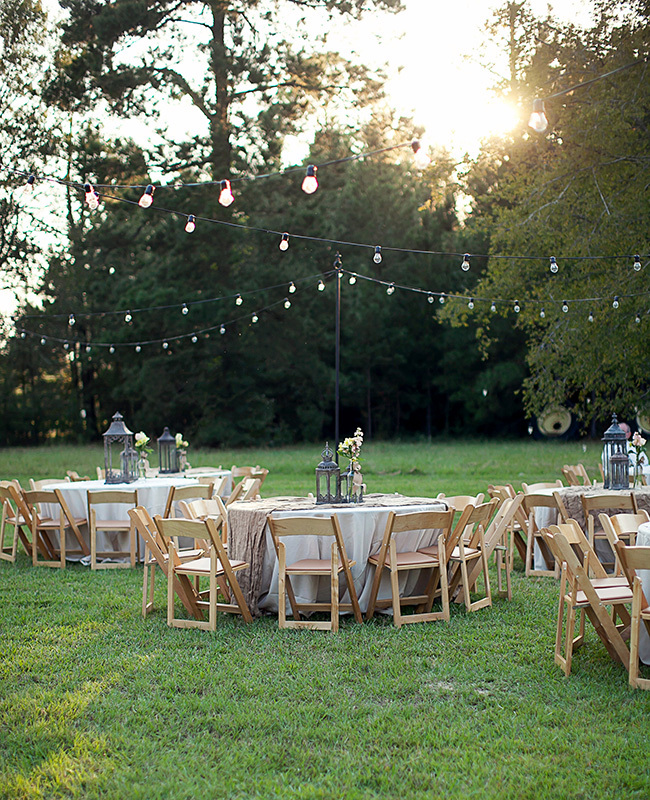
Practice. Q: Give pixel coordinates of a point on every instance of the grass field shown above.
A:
(98, 703)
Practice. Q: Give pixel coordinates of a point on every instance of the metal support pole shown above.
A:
(337, 354)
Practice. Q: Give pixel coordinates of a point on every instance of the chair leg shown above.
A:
(212, 595)
(282, 588)
(394, 585)
(93, 546)
(334, 589)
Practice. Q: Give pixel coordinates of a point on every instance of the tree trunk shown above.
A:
(219, 124)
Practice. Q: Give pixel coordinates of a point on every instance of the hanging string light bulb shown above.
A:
(190, 227)
(542, 313)
(377, 256)
(222, 330)
(66, 345)
(287, 302)
(226, 197)
(165, 345)
(91, 197)
(185, 309)
(128, 317)
(517, 307)
(239, 300)
(147, 198)
(470, 305)
(465, 265)
(493, 307)
(430, 298)
(138, 348)
(254, 318)
(43, 340)
(321, 286)
(71, 320)
(590, 318)
(284, 242)
(637, 319)
(615, 303)
(88, 348)
(553, 265)
(111, 349)
(637, 263)
(538, 121)
(353, 280)
(310, 182)
(195, 339)
(390, 289)
(441, 299)
(421, 157)
(565, 306)
(292, 287)
(28, 187)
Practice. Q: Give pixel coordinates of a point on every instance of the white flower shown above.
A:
(141, 439)
(180, 442)
(638, 440)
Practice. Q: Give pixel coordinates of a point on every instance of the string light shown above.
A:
(538, 121)
(28, 188)
(165, 345)
(465, 265)
(254, 318)
(493, 307)
(66, 345)
(470, 305)
(195, 339)
(239, 300)
(292, 287)
(421, 157)
(138, 348)
(377, 256)
(287, 302)
(185, 309)
(353, 280)
(430, 298)
(128, 317)
(517, 307)
(88, 348)
(441, 299)
(542, 313)
(91, 197)
(111, 349)
(43, 340)
(321, 286)
(71, 320)
(553, 266)
(637, 319)
(22, 334)
(147, 198)
(222, 330)
(390, 289)
(190, 227)
(284, 242)
(615, 303)
(590, 318)
(225, 195)
(111, 270)
(637, 263)
(565, 306)
(310, 182)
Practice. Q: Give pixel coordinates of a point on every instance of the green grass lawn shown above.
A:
(98, 703)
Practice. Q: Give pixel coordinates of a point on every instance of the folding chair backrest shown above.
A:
(469, 522)
(153, 540)
(423, 520)
(75, 476)
(632, 559)
(532, 501)
(531, 488)
(460, 501)
(197, 490)
(250, 488)
(116, 496)
(609, 501)
(626, 525)
(199, 530)
(35, 497)
(45, 482)
(576, 538)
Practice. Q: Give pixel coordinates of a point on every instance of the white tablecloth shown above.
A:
(362, 527)
(643, 540)
(152, 494)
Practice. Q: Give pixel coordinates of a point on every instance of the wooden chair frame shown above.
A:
(12, 517)
(633, 558)
(530, 502)
(328, 527)
(128, 497)
(622, 526)
(43, 527)
(197, 490)
(614, 501)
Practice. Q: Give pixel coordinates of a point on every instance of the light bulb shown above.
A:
(441, 299)
(284, 242)
(111, 349)
(28, 188)
(310, 183)
(321, 286)
(485, 392)
(138, 348)
(493, 307)
(147, 198)
(195, 339)
(91, 197)
(292, 287)
(88, 348)
(185, 309)
(43, 340)
(165, 345)
(66, 346)
(222, 330)
(553, 266)
(22, 334)
(353, 280)
(287, 302)
(590, 318)
(421, 159)
(637, 319)
(465, 265)
(225, 195)
(637, 263)
(111, 270)
(565, 306)
(128, 317)
(239, 300)
(517, 307)
(377, 256)
(254, 318)
(390, 289)
(615, 303)
(430, 298)
(542, 313)
(71, 320)
(538, 121)
(470, 305)
(191, 224)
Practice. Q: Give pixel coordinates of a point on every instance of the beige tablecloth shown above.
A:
(362, 527)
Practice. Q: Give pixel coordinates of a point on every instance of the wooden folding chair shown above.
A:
(203, 490)
(323, 529)
(576, 475)
(118, 497)
(155, 552)
(633, 558)
(12, 518)
(622, 526)
(249, 472)
(578, 593)
(45, 527)
(501, 493)
(246, 489)
(436, 559)
(75, 476)
(532, 488)
(531, 504)
(611, 502)
(215, 566)
(200, 509)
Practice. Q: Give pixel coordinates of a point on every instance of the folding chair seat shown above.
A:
(436, 559)
(14, 519)
(44, 527)
(622, 526)
(611, 502)
(322, 530)
(635, 558)
(214, 565)
(541, 510)
(112, 527)
(203, 491)
(463, 557)
(579, 594)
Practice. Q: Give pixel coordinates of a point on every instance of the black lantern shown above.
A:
(167, 453)
(615, 459)
(118, 438)
(328, 477)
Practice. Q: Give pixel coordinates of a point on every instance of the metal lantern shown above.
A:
(328, 477)
(615, 459)
(129, 460)
(167, 453)
(118, 438)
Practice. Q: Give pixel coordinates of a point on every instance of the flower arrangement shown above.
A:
(638, 443)
(141, 442)
(351, 447)
(181, 444)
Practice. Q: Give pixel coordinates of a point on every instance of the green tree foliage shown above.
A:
(578, 193)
